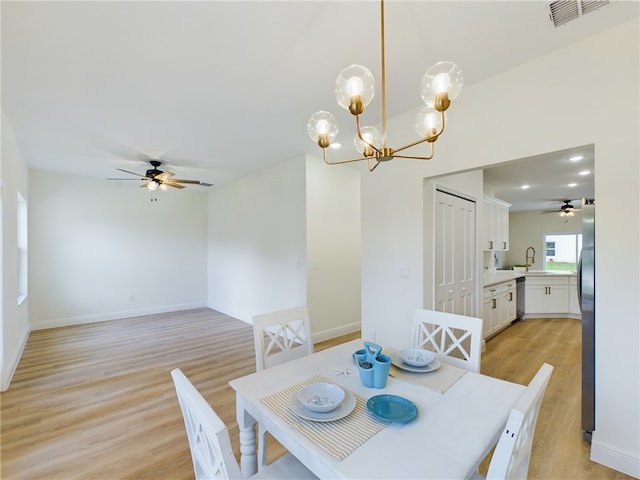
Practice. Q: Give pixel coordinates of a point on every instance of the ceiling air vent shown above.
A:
(591, 5)
(563, 11)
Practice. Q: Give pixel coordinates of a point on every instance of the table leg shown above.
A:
(247, 427)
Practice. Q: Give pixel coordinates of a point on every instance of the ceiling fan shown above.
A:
(154, 178)
(566, 210)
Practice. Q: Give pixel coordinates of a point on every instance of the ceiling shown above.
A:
(552, 178)
(219, 90)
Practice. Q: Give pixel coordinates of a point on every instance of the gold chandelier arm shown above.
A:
(418, 142)
(371, 169)
(362, 138)
(338, 162)
(416, 157)
(410, 157)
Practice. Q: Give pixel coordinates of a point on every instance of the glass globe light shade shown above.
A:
(371, 135)
(441, 77)
(322, 124)
(354, 80)
(428, 122)
(152, 185)
(163, 187)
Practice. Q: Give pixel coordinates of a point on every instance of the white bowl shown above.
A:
(321, 397)
(416, 357)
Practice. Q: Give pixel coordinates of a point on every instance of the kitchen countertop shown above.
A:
(549, 273)
(499, 276)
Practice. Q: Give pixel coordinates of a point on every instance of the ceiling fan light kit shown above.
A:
(355, 88)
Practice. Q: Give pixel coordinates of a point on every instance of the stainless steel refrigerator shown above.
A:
(587, 298)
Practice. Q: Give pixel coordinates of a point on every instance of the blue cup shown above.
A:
(366, 375)
(360, 356)
(381, 366)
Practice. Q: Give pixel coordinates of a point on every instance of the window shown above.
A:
(23, 265)
(562, 251)
(551, 249)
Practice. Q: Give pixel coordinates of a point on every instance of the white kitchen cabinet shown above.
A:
(489, 316)
(547, 295)
(498, 307)
(495, 224)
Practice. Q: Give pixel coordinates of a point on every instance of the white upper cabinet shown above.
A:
(496, 224)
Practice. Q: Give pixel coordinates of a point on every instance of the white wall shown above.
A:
(257, 242)
(528, 229)
(14, 329)
(288, 236)
(555, 102)
(101, 250)
(333, 248)
(392, 251)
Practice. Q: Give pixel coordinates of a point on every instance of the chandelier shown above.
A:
(355, 87)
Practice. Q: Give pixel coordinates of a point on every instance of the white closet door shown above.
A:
(455, 235)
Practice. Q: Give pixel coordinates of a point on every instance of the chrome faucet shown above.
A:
(527, 258)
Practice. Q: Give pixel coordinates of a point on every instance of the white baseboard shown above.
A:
(523, 316)
(101, 317)
(614, 459)
(317, 336)
(13, 363)
(335, 332)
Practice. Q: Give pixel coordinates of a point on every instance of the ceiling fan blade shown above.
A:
(178, 180)
(163, 176)
(172, 184)
(136, 179)
(193, 182)
(132, 173)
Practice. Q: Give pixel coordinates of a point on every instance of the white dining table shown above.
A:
(452, 433)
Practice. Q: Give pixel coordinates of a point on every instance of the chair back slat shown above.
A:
(455, 339)
(511, 456)
(281, 336)
(208, 436)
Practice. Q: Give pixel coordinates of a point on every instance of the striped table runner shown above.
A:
(338, 438)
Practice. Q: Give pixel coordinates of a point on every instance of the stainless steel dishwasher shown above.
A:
(520, 296)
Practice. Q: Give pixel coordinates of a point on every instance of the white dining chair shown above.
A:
(210, 445)
(511, 456)
(455, 339)
(279, 337)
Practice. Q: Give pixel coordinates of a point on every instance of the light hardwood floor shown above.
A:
(97, 401)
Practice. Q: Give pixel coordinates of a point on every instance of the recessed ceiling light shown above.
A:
(576, 158)
(524, 187)
(572, 184)
(335, 145)
(584, 172)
